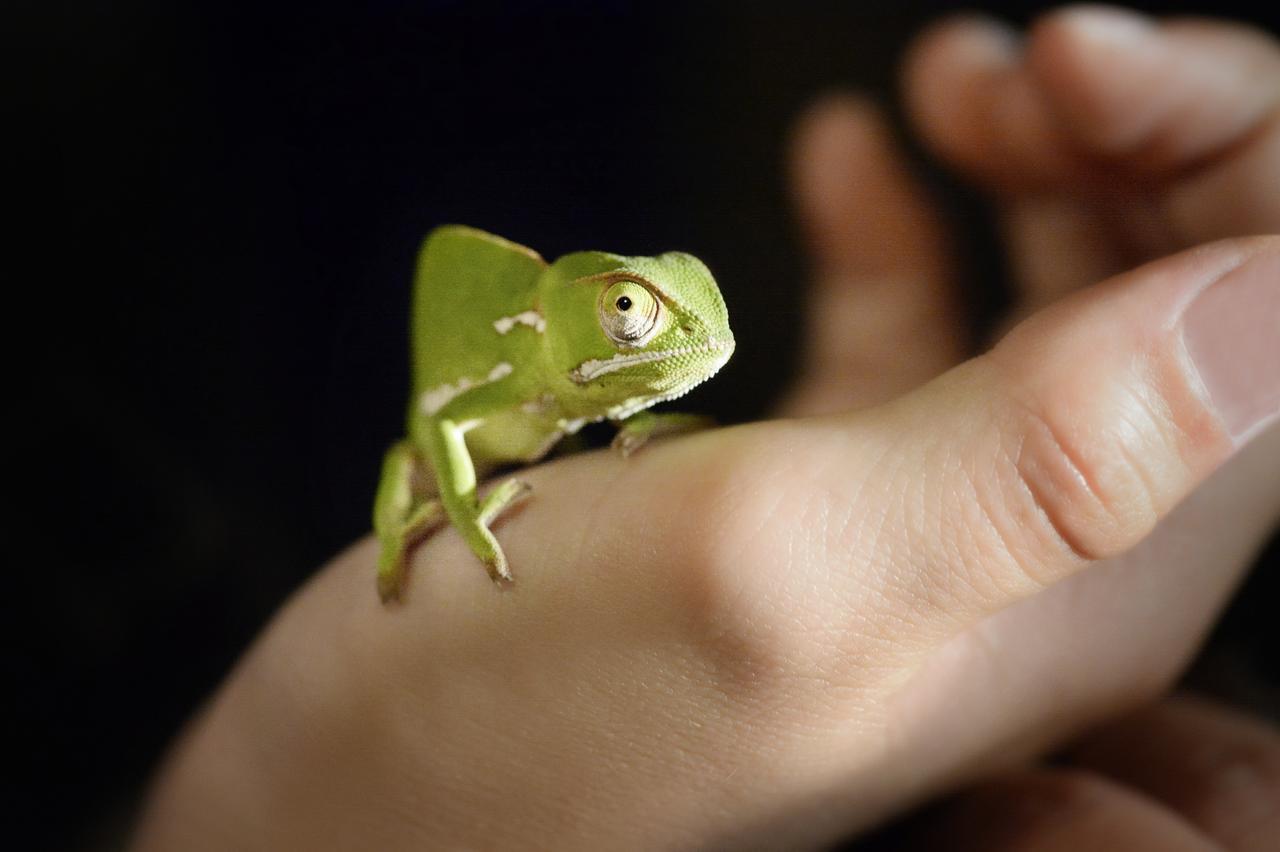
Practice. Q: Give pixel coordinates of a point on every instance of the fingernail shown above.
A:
(1232, 333)
(987, 38)
(1109, 25)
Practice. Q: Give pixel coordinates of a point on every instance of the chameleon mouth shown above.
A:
(594, 368)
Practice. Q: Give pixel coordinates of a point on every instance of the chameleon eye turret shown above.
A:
(510, 354)
(629, 312)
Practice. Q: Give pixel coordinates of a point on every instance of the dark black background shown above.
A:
(225, 202)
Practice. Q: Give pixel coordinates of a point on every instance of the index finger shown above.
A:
(1094, 92)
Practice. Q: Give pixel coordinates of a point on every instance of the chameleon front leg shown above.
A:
(638, 429)
(456, 476)
(398, 522)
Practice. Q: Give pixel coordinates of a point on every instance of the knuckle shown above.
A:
(752, 608)
(1084, 495)
(1084, 471)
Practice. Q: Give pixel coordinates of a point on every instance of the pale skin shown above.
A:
(511, 354)
(780, 633)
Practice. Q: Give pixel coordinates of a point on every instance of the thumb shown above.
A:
(1071, 439)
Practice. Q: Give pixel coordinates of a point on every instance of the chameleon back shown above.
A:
(466, 281)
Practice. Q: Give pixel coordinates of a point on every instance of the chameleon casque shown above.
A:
(511, 354)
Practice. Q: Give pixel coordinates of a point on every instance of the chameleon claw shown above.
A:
(625, 443)
(640, 428)
(499, 572)
(388, 589)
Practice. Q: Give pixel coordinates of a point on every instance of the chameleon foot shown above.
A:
(637, 430)
(393, 556)
(480, 537)
(510, 493)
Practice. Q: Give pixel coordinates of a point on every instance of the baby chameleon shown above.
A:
(510, 354)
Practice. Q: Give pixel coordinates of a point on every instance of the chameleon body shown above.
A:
(511, 354)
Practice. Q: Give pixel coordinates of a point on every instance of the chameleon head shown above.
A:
(659, 328)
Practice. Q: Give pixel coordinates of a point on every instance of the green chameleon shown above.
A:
(510, 354)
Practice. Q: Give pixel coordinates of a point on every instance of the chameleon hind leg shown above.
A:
(456, 476)
(401, 517)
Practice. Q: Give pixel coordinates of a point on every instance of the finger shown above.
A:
(974, 103)
(1193, 101)
(1095, 93)
(1047, 811)
(1157, 96)
(1057, 241)
(1069, 441)
(1218, 768)
(882, 315)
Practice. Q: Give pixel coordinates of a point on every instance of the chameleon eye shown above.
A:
(629, 312)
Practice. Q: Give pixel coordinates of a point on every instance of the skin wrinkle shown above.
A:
(871, 604)
(942, 579)
(872, 534)
(857, 622)
(951, 565)
(884, 618)
(1088, 475)
(1133, 456)
(992, 510)
(1029, 483)
(910, 583)
(839, 545)
(954, 577)
(1029, 419)
(900, 582)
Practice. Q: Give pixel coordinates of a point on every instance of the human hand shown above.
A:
(749, 635)
(1185, 774)
(1104, 139)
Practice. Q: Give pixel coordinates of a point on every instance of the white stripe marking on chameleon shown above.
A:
(588, 370)
(533, 319)
(539, 404)
(435, 399)
(571, 427)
